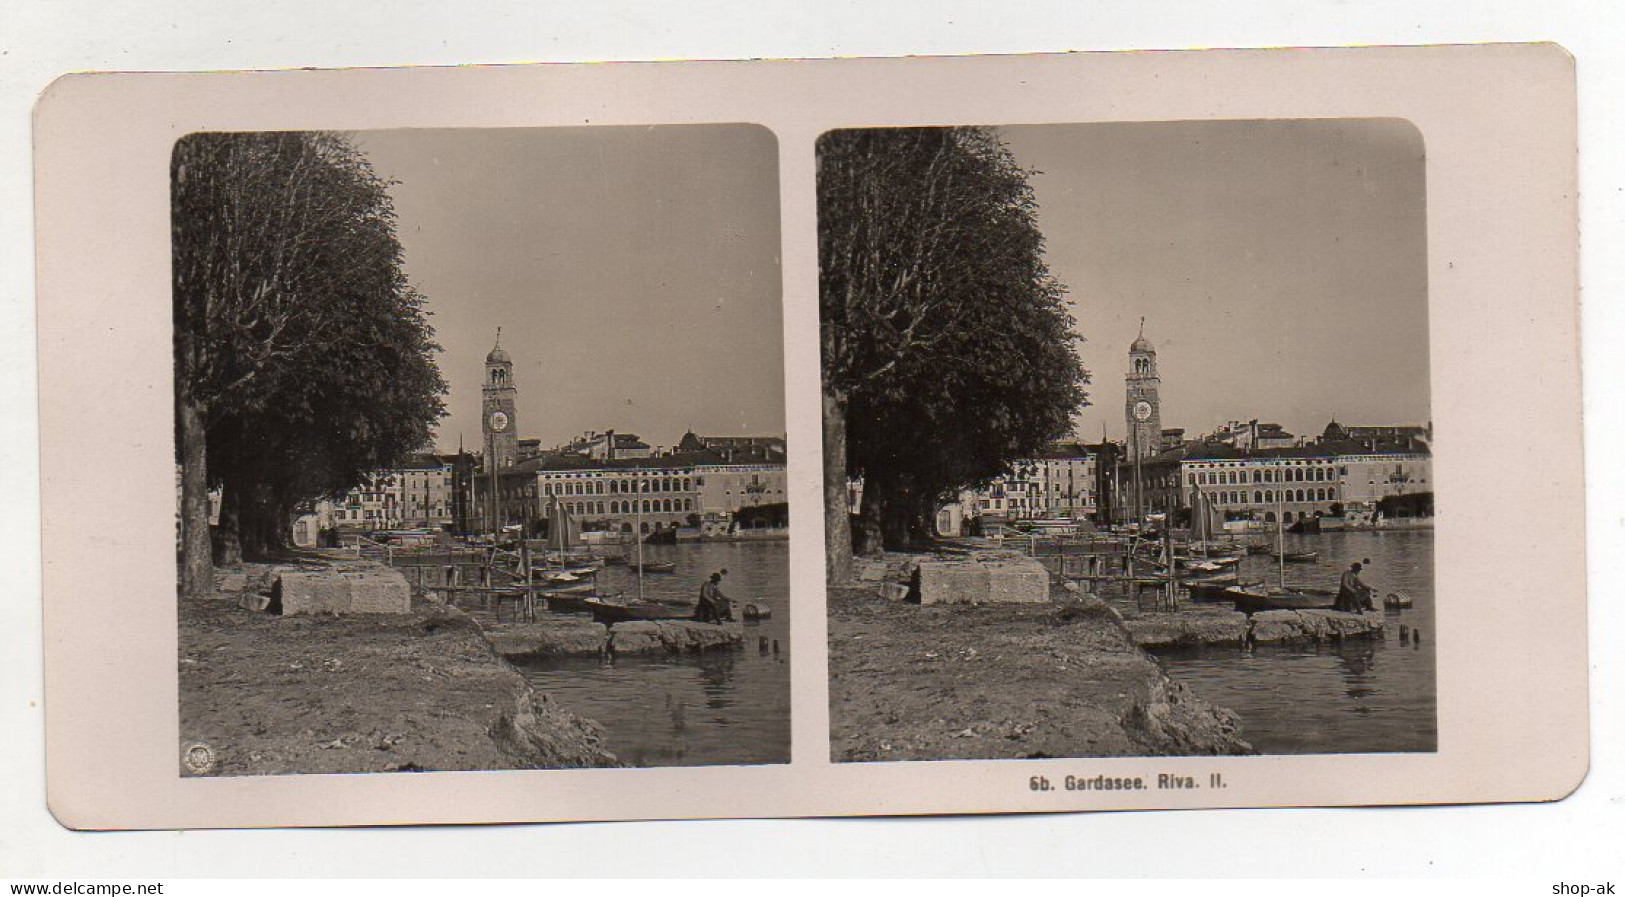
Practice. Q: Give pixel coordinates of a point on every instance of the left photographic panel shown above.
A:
(480, 453)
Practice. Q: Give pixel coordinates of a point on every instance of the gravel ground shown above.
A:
(910, 682)
(364, 693)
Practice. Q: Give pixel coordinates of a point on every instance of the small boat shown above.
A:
(1250, 599)
(1396, 600)
(604, 612)
(1221, 577)
(565, 574)
(567, 603)
(1208, 565)
(1299, 557)
(1259, 548)
(1210, 592)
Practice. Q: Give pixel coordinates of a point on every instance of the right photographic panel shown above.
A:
(1127, 439)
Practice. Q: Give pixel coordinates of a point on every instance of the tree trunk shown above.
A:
(871, 513)
(261, 525)
(196, 569)
(897, 520)
(837, 512)
(227, 541)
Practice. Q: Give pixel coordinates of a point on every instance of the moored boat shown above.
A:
(604, 612)
(657, 567)
(1299, 557)
(1250, 599)
(1221, 577)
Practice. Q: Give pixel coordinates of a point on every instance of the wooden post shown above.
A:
(524, 577)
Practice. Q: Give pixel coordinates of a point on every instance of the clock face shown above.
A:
(1142, 410)
(499, 421)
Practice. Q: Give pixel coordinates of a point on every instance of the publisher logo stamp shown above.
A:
(198, 758)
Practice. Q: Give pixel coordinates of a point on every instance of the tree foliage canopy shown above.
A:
(945, 338)
(298, 339)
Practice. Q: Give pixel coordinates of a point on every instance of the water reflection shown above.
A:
(717, 708)
(1362, 696)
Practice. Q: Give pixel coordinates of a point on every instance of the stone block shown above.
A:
(564, 636)
(379, 592)
(672, 637)
(254, 601)
(1017, 582)
(1153, 633)
(953, 582)
(871, 571)
(355, 592)
(233, 582)
(893, 591)
(1273, 627)
(1189, 629)
(301, 593)
(1006, 580)
(1291, 626)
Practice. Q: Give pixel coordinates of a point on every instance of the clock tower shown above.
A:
(1142, 407)
(498, 418)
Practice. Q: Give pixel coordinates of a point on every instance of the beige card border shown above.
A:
(1500, 129)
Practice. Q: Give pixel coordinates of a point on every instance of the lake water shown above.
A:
(716, 708)
(1360, 697)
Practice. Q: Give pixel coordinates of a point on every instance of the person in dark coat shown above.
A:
(714, 607)
(1352, 593)
(705, 611)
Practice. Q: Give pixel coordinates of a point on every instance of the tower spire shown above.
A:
(498, 343)
(1142, 327)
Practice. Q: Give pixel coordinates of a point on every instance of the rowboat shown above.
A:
(564, 603)
(620, 613)
(1208, 565)
(1211, 592)
(1250, 599)
(1299, 557)
(1221, 577)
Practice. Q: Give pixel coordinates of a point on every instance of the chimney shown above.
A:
(609, 445)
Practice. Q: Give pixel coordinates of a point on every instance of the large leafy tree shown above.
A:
(302, 355)
(948, 351)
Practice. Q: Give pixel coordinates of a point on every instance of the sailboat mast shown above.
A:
(637, 533)
(1280, 527)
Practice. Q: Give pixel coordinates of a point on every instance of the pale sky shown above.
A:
(634, 273)
(1281, 266)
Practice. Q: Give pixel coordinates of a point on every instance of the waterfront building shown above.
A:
(1329, 478)
(678, 489)
(1150, 485)
(419, 493)
(1061, 481)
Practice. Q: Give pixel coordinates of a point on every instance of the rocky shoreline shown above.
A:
(1059, 679)
(423, 690)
